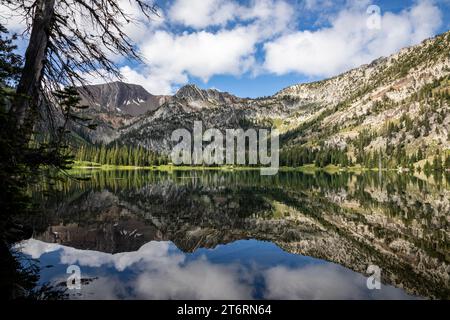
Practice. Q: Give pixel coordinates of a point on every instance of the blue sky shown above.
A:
(255, 48)
(416, 21)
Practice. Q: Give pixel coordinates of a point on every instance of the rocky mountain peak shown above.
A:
(129, 99)
(191, 93)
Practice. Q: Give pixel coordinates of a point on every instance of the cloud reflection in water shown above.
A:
(158, 270)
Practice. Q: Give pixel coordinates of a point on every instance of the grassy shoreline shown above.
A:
(310, 168)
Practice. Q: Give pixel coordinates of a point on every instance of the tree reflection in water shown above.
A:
(399, 222)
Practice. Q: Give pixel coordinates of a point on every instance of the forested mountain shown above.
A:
(394, 110)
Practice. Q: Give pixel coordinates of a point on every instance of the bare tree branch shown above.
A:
(70, 39)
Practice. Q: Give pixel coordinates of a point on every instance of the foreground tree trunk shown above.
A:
(29, 86)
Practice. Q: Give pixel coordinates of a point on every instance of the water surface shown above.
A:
(239, 235)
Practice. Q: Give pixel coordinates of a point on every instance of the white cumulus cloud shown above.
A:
(348, 42)
(202, 13)
(206, 38)
(201, 54)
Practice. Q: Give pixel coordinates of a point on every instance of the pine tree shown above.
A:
(437, 163)
(427, 168)
(447, 162)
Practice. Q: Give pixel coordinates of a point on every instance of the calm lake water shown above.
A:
(239, 235)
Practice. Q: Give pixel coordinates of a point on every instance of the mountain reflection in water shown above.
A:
(239, 235)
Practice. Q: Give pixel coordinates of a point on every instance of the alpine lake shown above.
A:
(224, 234)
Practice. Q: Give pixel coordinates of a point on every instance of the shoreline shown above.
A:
(310, 168)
